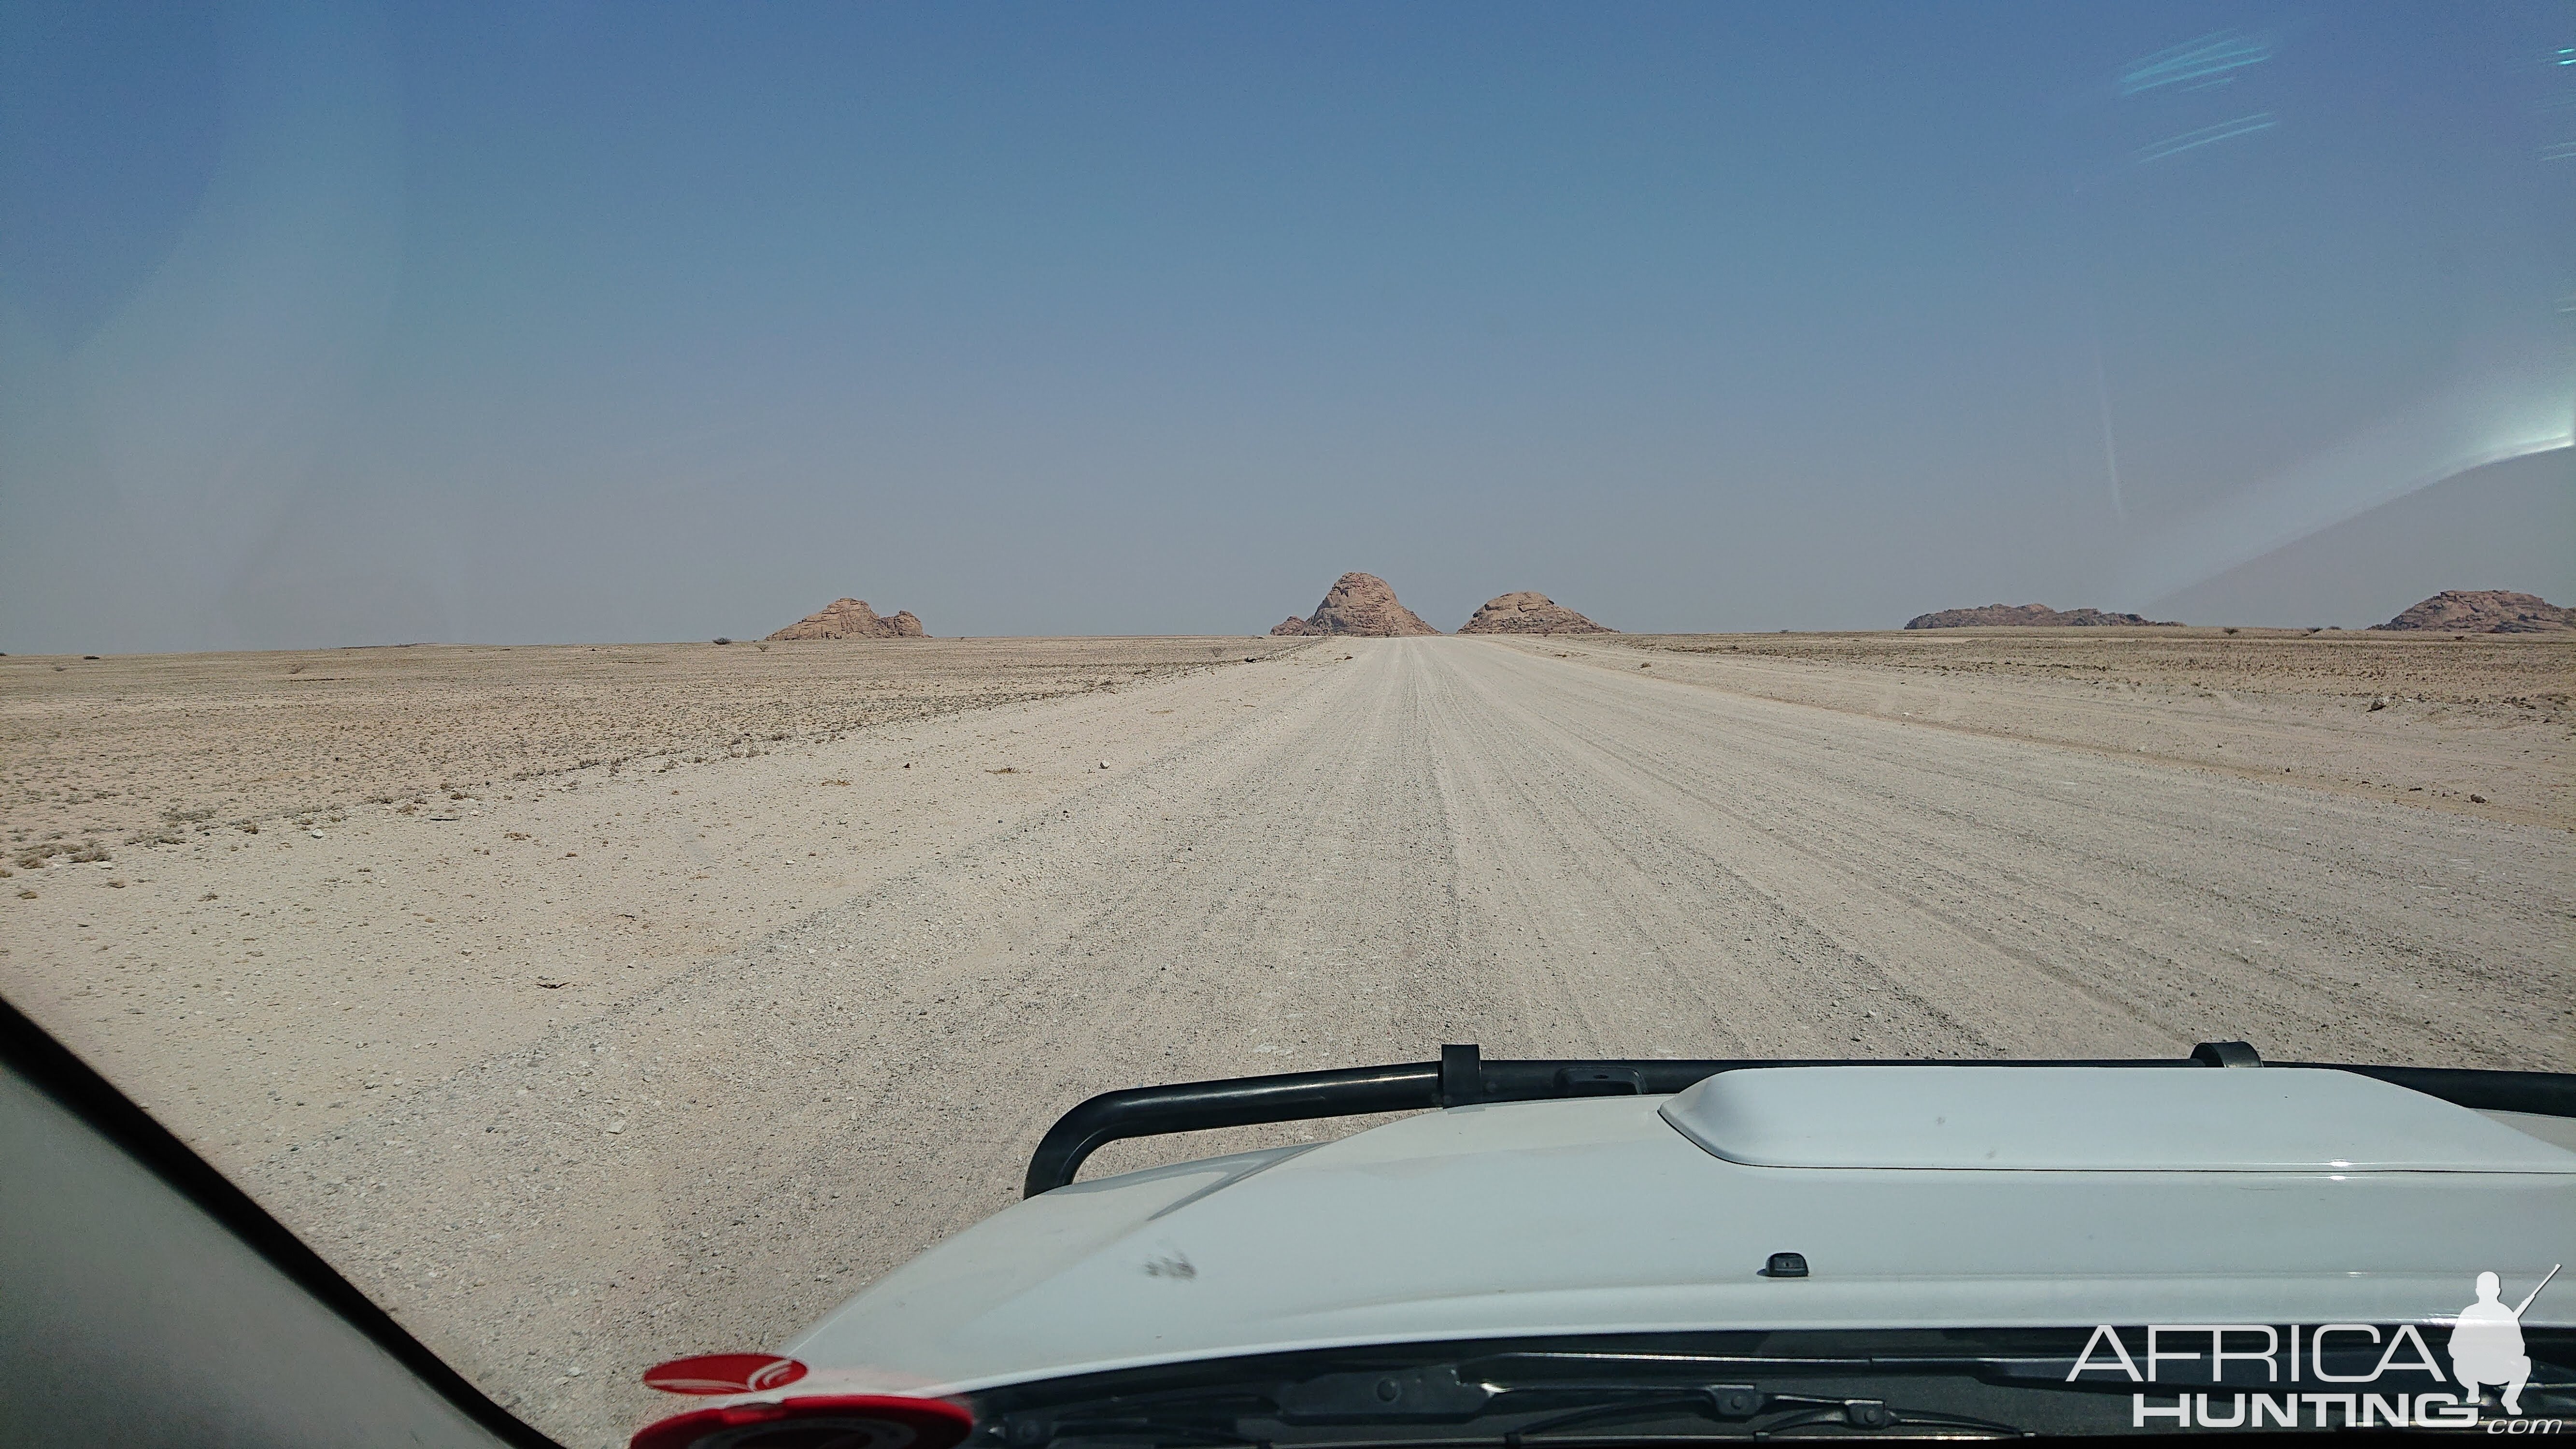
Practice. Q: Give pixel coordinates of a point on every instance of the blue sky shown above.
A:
(338, 324)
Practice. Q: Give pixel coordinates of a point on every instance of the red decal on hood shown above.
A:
(724, 1373)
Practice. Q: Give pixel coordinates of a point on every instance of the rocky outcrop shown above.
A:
(2024, 616)
(1528, 613)
(1359, 604)
(852, 619)
(1292, 625)
(2485, 611)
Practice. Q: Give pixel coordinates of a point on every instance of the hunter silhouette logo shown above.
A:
(2486, 1343)
(2333, 1375)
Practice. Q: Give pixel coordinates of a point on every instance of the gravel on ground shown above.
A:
(646, 1062)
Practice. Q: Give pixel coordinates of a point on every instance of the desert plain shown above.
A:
(594, 1005)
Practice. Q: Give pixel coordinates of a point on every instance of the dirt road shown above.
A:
(1350, 853)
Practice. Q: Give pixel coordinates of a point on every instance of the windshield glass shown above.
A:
(1970, 1383)
(639, 641)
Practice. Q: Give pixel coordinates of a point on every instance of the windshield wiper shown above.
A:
(1433, 1398)
(1742, 1404)
(1507, 1383)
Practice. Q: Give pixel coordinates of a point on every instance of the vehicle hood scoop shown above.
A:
(2094, 1119)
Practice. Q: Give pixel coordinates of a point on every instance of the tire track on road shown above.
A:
(1435, 840)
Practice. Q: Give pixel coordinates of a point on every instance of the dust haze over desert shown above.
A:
(615, 690)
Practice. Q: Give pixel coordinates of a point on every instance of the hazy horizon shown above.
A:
(381, 323)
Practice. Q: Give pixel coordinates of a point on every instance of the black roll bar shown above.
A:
(1462, 1077)
(1240, 1102)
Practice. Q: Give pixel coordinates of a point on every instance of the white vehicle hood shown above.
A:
(2240, 1196)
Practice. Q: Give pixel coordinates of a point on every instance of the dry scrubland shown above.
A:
(153, 748)
(666, 995)
(2479, 723)
(2530, 674)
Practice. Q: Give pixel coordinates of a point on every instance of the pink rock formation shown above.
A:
(2485, 611)
(852, 619)
(2028, 616)
(1528, 613)
(1359, 604)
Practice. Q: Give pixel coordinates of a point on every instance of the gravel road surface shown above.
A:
(1348, 854)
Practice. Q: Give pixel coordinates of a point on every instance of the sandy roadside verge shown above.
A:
(2485, 726)
(160, 749)
(255, 989)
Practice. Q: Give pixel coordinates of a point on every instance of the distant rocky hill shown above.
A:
(1359, 604)
(852, 619)
(1528, 613)
(2485, 611)
(2027, 616)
